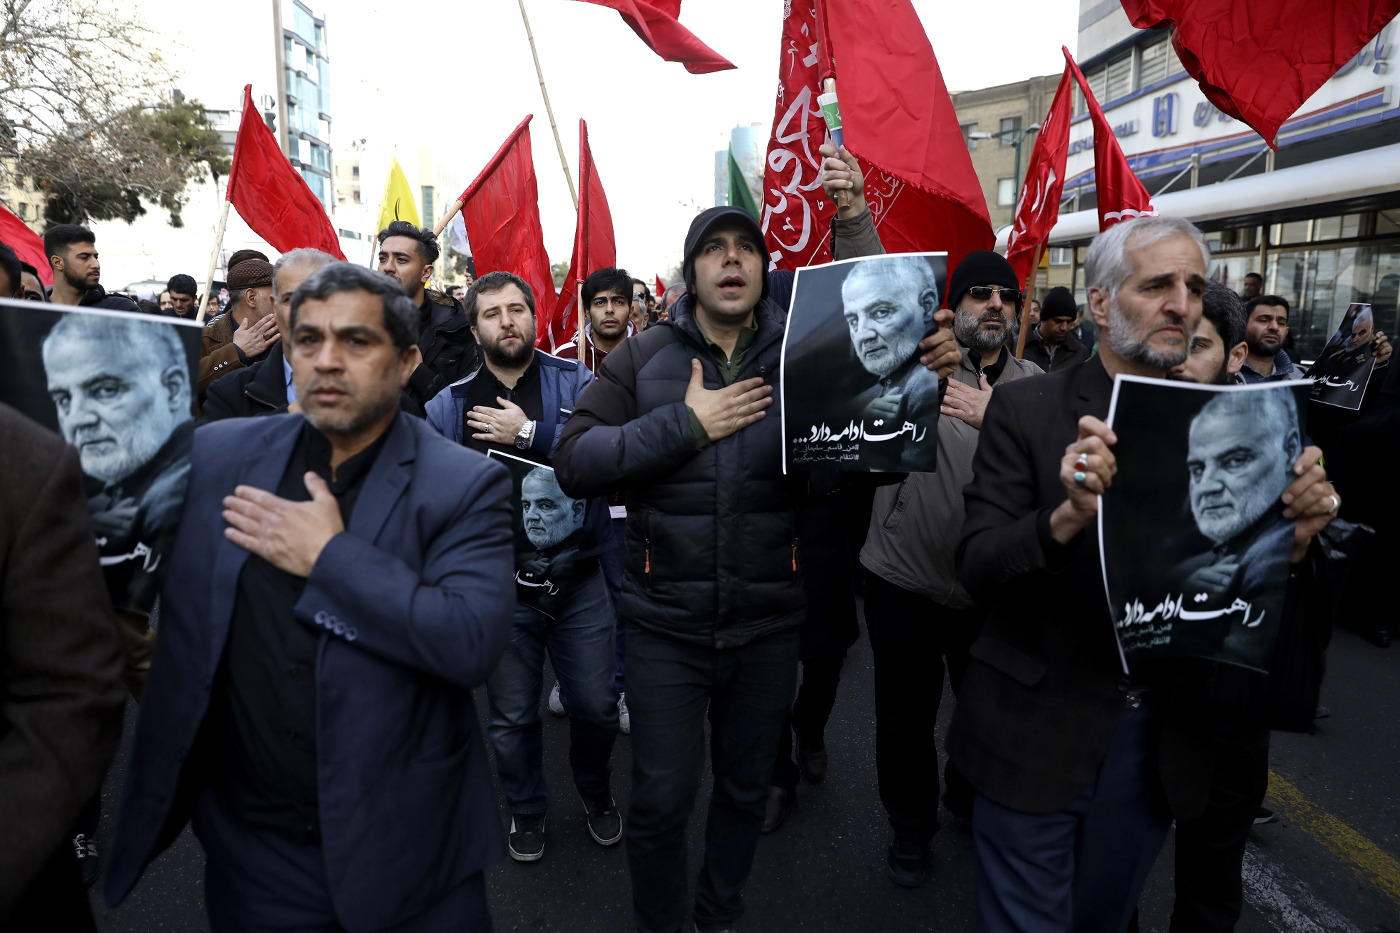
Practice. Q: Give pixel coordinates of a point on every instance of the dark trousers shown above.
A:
(259, 881)
(911, 639)
(673, 686)
(1081, 868)
(821, 676)
(56, 901)
(612, 560)
(1210, 848)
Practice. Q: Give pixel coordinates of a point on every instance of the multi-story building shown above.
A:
(998, 125)
(1319, 218)
(305, 108)
(749, 144)
(19, 196)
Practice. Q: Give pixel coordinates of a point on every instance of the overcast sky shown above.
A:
(457, 76)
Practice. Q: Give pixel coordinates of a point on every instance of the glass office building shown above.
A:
(306, 83)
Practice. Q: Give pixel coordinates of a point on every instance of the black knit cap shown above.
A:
(1058, 303)
(981, 267)
(705, 223)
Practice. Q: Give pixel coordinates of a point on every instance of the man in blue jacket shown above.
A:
(516, 403)
(339, 586)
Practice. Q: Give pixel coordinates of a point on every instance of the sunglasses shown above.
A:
(984, 293)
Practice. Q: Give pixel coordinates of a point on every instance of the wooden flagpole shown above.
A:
(549, 110)
(1026, 303)
(213, 261)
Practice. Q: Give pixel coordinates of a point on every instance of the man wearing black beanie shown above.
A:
(1052, 346)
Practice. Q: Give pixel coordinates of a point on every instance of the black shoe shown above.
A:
(604, 822)
(907, 861)
(526, 840)
(1379, 636)
(1265, 815)
(86, 851)
(811, 759)
(779, 800)
(1322, 712)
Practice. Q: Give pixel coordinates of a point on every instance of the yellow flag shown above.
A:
(397, 203)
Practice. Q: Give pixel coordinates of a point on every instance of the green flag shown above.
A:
(739, 193)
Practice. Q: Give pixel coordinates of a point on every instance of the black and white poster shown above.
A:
(1344, 367)
(547, 525)
(119, 387)
(1192, 537)
(854, 395)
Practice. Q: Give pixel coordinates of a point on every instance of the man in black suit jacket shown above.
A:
(1077, 775)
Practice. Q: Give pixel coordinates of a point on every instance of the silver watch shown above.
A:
(526, 435)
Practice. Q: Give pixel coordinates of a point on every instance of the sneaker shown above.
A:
(624, 718)
(556, 705)
(780, 800)
(526, 840)
(907, 860)
(604, 822)
(86, 851)
(1265, 815)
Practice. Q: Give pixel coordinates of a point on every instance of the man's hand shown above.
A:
(1216, 579)
(724, 411)
(288, 535)
(885, 408)
(497, 424)
(253, 339)
(967, 403)
(1090, 456)
(1383, 348)
(843, 174)
(939, 351)
(1310, 499)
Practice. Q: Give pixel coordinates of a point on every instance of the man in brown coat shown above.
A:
(247, 327)
(62, 696)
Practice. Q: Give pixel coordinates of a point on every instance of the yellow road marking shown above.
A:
(1359, 854)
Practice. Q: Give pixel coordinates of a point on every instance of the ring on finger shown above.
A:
(1080, 476)
(1082, 462)
(1336, 504)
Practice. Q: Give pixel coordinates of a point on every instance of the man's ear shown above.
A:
(409, 361)
(1098, 306)
(176, 381)
(928, 300)
(427, 273)
(1235, 360)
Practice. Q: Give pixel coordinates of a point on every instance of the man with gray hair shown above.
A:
(342, 585)
(1078, 773)
(266, 387)
(889, 305)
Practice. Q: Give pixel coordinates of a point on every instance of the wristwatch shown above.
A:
(526, 435)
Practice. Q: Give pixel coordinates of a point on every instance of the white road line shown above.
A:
(1286, 902)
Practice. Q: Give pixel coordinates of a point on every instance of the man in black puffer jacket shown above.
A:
(713, 596)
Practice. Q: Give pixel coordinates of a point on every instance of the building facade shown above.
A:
(997, 127)
(305, 110)
(749, 144)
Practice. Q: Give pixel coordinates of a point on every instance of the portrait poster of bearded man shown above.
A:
(1194, 544)
(546, 524)
(1344, 367)
(119, 388)
(854, 395)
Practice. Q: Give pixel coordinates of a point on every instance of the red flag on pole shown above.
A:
(660, 287)
(1259, 60)
(656, 23)
(594, 249)
(501, 211)
(898, 120)
(27, 244)
(1120, 194)
(270, 195)
(1039, 206)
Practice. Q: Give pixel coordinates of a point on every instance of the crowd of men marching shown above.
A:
(346, 575)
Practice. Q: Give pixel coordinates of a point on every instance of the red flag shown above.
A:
(594, 249)
(655, 22)
(1039, 205)
(660, 287)
(270, 195)
(1121, 195)
(1259, 60)
(898, 120)
(27, 244)
(502, 213)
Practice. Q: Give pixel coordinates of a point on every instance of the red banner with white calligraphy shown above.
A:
(1039, 206)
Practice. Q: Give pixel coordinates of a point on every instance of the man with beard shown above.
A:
(517, 403)
(246, 330)
(1266, 328)
(1051, 346)
(889, 306)
(1217, 347)
(1253, 286)
(340, 590)
(1078, 774)
(607, 297)
(72, 255)
(444, 336)
(184, 295)
(549, 518)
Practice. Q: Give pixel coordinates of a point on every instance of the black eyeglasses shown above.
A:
(1009, 296)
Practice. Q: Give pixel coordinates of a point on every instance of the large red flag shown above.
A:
(1120, 194)
(27, 244)
(502, 213)
(898, 120)
(270, 195)
(660, 287)
(1259, 60)
(1039, 205)
(656, 23)
(594, 249)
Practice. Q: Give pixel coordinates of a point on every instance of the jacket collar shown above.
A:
(768, 316)
(1095, 386)
(269, 384)
(449, 318)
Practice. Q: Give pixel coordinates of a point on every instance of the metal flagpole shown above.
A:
(213, 261)
(549, 110)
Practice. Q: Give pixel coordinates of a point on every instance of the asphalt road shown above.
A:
(1328, 865)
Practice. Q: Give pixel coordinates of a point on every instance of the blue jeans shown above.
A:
(612, 561)
(580, 643)
(1081, 868)
(746, 693)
